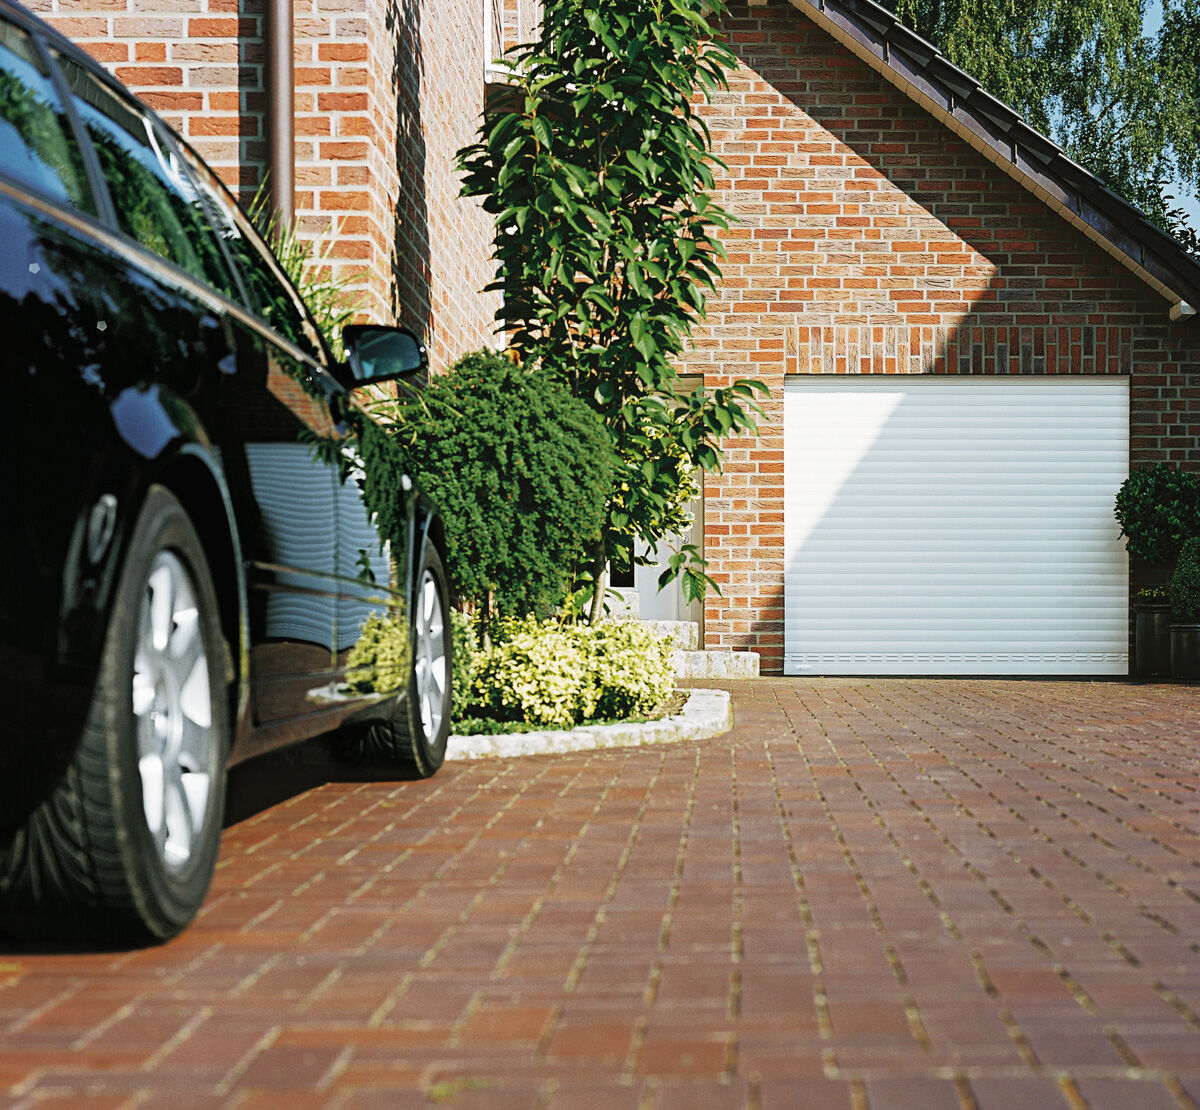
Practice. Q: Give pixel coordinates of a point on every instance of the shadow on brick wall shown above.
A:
(252, 99)
(410, 264)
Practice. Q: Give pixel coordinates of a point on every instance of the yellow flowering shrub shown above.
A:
(556, 676)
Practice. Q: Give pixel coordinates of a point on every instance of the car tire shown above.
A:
(124, 848)
(415, 737)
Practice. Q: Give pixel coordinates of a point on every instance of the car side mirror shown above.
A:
(375, 353)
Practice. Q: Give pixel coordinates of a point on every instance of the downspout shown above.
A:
(280, 121)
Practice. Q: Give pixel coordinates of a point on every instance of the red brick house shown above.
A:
(968, 340)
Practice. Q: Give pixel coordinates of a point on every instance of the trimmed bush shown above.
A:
(1158, 508)
(519, 470)
(1185, 584)
(631, 669)
(536, 675)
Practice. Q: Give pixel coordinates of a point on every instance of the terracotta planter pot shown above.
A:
(1152, 639)
(1185, 652)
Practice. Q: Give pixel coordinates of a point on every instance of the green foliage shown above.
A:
(307, 263)
(1185, 584)
(380, 659)
(466, 646)
(1158, 508)
(534, 675)
(630, 668)
(606, 237)
(555, 676)
(1123, 104)
(519, 470)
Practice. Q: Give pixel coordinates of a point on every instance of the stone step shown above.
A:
(621, 605)
(716, 664)
(684, 635)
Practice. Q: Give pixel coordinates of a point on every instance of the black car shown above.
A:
(208, 549)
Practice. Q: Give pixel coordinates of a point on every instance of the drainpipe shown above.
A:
(280, 122)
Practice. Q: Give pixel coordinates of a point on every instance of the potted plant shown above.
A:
(1152, 632)
(1158, 508)
(1185, 608)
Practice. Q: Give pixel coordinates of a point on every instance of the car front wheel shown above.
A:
(124, 847)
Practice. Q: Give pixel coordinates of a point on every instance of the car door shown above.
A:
(318, 569)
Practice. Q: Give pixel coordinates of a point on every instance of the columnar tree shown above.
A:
(598, 171)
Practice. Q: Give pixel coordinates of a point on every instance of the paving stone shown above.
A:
(881, 893)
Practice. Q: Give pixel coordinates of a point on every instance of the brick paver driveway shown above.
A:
(870, 894)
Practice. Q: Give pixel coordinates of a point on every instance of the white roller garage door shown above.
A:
(954, 525)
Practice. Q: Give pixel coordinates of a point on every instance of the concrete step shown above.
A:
(716, 664)
(621, 605)
(684, 635)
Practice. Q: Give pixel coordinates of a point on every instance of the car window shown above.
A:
(155, 201)
(37, 147)
(270, 294)
(276, 302)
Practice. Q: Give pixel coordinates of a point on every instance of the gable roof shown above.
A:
(956, 99)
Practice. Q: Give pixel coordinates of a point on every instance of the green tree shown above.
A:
(1123, 104)
(599, 174)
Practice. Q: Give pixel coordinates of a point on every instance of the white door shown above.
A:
(669, 603)
(955, 525)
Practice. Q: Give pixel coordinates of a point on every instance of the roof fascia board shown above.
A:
(960, 103)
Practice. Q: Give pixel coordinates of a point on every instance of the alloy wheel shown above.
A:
(429, 664)
(172, 706)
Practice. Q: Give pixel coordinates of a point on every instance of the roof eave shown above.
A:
(958, 101)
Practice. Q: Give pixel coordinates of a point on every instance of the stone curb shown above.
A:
(725, 665)
(706, 713)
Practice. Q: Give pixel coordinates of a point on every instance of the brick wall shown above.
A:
(871, 240)
(520, 20)
(386, 92)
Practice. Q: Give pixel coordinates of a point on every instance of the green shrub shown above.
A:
(519, 470)
(1185, 584)
(462, 629)
(556, 676)
(535, 675)
(631, 669)
(1158, 508)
